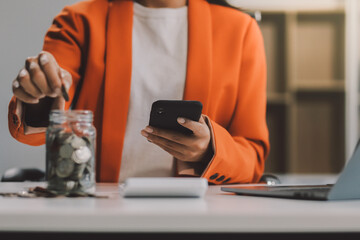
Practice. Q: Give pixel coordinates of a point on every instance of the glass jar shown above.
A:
(70, 152)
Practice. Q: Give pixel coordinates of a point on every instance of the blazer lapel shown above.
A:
(199, 63)
(117, 88)
(118, 76)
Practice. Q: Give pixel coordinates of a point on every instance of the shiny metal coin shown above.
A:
(64, 168)
(66, 151)
(70, 185)
(81, 155)
(77, 142)
(87, 140)
(78, 172)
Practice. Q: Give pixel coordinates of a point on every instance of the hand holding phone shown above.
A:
(187, 140)
(164, 114)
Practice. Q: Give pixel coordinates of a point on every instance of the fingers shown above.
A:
(51, 71)
(200, 129)
(66, 78)
(38, 77)
(190, 148)
(163, 141)
(175, 149)
(171, 151)
(18, 89)
(59, 103)
(22, 95)
(41, 77)
(168, 134)
(189, 151)
(196, 127)
(28, 86)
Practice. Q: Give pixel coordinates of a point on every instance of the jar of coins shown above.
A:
(70, 151)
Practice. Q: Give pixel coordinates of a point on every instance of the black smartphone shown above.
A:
(164, 114)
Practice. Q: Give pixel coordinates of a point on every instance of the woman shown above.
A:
(116, 57)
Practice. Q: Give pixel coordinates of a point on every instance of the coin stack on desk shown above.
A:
(70, 150)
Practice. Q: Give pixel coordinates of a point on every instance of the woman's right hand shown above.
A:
(41, 77)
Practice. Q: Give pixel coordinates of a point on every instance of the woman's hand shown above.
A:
(41, 77)
(189, 148)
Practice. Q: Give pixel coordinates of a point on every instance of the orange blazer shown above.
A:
(226, 71)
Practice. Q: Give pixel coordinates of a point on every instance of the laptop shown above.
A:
(346, 187)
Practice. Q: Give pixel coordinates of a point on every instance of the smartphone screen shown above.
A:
(164, 114)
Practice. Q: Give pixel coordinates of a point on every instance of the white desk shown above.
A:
(218, 212)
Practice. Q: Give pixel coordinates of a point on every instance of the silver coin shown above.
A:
(66, 151)
(70, 162)
(70, 185)
(64, 168)
(87, 140)
(81, 155)
(77, 142)
(78, 172)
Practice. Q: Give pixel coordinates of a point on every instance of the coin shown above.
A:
(66, 151)
(77, 142)
(81, 155)
(87, 140)
(64, 168)
(70, 185)
(78, 172)
(70, 156)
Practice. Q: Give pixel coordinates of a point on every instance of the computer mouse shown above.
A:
(269, 179)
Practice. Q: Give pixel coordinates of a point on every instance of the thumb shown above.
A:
(58, 104)
(192, 125)
(66, 78)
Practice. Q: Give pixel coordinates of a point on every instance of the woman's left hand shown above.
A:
(189, 148)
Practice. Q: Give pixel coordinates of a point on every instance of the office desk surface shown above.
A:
(217, 212)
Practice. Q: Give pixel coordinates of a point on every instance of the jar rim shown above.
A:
(71, 115)
(71, 111)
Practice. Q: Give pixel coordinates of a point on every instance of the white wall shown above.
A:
(23, 24)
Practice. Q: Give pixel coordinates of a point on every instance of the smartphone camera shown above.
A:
(160, 111)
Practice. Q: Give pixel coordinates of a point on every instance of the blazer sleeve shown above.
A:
(64, 40)
(241, 148)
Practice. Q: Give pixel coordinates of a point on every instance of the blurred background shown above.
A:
(23, 25)
(312, 49)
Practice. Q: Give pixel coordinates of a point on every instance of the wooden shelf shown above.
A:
(319, 47)
(277, 98)
(305, 51)
(291, 5)
(319, 86)
(319, 144)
